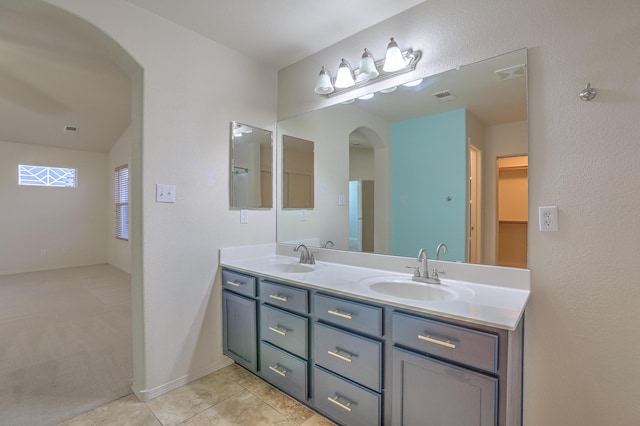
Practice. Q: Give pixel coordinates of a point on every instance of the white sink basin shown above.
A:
(290, 267)
(406, 288)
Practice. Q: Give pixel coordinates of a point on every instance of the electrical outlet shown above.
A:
(244, 216)
(548, 216)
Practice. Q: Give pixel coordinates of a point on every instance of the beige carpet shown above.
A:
(65, 343)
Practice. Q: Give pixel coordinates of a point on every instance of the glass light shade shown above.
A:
(367, 96)
(413, 83)
(344, 77)
(323, 85)
(367, 68)
(393, 61)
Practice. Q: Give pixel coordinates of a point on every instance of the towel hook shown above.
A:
(588, 93)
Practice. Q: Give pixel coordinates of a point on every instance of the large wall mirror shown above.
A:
(251, 170)
(442, 161)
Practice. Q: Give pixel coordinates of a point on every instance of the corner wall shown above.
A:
(47, 227)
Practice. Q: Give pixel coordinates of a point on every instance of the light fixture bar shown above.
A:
(411, 58)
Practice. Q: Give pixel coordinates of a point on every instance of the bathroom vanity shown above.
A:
(338, 338)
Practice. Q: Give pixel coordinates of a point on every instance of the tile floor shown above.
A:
(230, 396)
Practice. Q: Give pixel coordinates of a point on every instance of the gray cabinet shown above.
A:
(362, 363)
(428, 392)
(284, 337)
(239, 329)
(348, 358)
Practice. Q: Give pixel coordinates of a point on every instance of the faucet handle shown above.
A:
(416, 272)
(436, 272)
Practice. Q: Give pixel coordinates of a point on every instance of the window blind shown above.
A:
(122, 201)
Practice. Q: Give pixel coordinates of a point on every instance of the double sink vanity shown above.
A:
(355, 338)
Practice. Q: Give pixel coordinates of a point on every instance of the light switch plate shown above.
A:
(165, 193)
(244, 216)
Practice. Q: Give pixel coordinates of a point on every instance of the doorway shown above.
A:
(513, 208)
(361, 215)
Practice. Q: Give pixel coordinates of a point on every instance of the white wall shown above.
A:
(46, 227)
(118, 251)
(191, 89)
(581, 350)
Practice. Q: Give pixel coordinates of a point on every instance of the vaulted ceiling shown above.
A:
(55, 72)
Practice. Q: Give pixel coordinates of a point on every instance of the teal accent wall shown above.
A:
(429, 164)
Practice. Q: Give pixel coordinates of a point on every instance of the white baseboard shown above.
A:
(145, 395)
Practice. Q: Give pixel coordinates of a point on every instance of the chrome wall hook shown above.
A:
(588, 93)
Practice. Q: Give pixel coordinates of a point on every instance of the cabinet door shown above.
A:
(239, 329)
(427, 392)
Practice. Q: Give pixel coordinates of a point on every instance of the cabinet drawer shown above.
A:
(459, 344)
(353, 315)
(285, 296)
(239, 283)
(284, 371)
(349, 404)
(349, 355)
(283, 329)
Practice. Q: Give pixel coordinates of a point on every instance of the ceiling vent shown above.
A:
(70, 130)
(511, 72)
(444, 96)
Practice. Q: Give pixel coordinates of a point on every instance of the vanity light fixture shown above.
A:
(396, 62)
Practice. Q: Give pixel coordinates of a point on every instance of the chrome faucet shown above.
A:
(305, 256)
(422, 257)
(423, 276)
(441, 246)
(329, 243)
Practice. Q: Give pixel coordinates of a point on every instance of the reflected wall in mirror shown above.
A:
(417, 167)
(251, 171)
(297, 173)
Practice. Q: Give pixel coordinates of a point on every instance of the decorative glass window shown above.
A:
(29, 175)
(122, 201)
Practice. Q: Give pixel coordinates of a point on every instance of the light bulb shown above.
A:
(393, 61)
(367, 69)
(323, 85)
(344, 77)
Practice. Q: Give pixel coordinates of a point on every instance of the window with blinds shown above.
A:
(122, 201)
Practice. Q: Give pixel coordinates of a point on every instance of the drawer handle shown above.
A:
(234, 283)
(446, 343)
(337, 354)
(341, 314)
(278, 297)
(278, 330)
(278, 369)
(346, 406)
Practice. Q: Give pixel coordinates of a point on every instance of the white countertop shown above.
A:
(498, 306)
